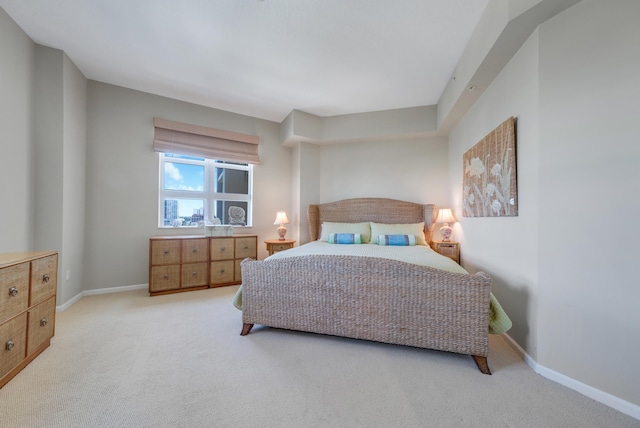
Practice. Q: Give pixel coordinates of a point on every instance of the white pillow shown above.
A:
(416, 229)
(327, 228)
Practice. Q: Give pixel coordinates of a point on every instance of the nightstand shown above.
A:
(450, 249)
(275, 245)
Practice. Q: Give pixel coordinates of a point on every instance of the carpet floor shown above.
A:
(130, 360)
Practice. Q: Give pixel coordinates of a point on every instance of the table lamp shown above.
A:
(445, 216)
(281, 219)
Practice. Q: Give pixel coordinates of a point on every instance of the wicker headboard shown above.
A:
(378, 210)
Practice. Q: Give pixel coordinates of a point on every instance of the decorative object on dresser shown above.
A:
(281, 219)
(28, 285)
(275, 245)
(489, 185)
(449, 249)
(186, 263)
(445, 216)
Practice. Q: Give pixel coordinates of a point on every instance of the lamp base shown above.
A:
(445, 231)
(281, 232)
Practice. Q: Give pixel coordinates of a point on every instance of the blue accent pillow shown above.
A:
(397, 240)
(344, 238)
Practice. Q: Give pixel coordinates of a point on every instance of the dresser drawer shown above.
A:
(195, 250)
(13, 343)
(164, 278)
(246, 247)
(41, 322)
(44, 278)
(14, 292)
(222, 248)
(222, 272)
(194, 274)
(165, 252)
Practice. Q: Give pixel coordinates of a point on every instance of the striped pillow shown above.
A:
(397, 240)
(344, 238)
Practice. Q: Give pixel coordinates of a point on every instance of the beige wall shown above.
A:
(506, 248)
(122, 179)
(589, 154)
(17, 68)
(570, 289)
(410, 170)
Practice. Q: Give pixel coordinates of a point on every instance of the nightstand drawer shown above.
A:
(280, 247)
(447, 249)
(273, 245)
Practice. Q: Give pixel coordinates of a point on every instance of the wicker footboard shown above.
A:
(368, 298)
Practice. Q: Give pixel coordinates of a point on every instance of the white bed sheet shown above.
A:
(417, 254)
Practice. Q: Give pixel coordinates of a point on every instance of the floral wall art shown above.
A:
(489, 183)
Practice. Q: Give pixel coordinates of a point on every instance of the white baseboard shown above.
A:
(79, 296)
(600, 396)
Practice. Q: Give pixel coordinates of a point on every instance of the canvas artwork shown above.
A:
(489, 183)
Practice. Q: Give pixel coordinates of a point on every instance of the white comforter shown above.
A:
(417, 254)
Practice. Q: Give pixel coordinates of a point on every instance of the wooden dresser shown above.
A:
(28, 285)
(185, 263)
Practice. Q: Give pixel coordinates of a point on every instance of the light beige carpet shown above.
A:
(130, 360)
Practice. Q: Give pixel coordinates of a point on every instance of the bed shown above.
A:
(398, 294)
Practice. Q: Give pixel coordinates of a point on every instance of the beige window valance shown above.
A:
(193, 140)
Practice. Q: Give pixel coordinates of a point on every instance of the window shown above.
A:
(194, 190)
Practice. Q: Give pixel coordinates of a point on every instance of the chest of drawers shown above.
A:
(28, 285)
(184, 263)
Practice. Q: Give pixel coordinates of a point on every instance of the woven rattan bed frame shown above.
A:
(368, 298)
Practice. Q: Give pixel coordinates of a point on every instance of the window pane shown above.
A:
(172, 155)
(232, 181)
(183, 212)
(232, 212)
(180, 176)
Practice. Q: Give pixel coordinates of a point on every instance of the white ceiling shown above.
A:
(262, 58)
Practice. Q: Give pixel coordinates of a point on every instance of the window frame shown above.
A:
(209, 195)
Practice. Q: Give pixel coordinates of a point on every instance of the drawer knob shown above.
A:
(221, 270)
(166, 276)
(43, 322)
(10, 345)
(13, 292)
(221, 248)
(45, 277)
(246, 247)
(195, 250)
(166, 251)
(195, 273)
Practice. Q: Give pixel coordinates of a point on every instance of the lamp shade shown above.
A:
(281, 218)
(445, 216)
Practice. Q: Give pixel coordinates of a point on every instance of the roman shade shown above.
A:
(193, 140)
